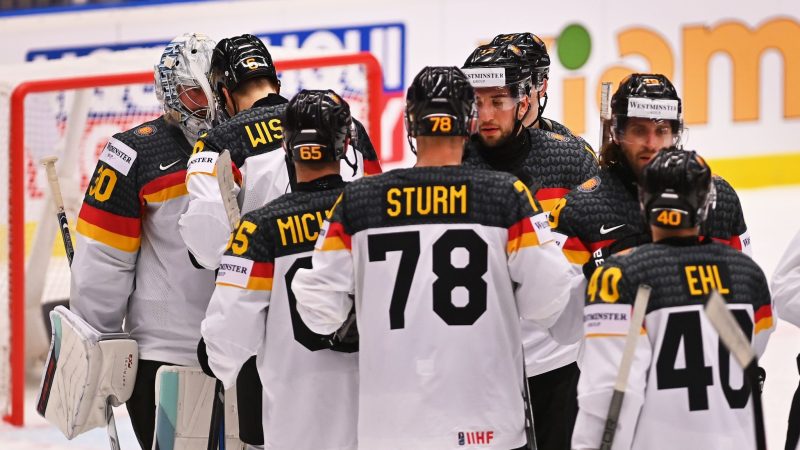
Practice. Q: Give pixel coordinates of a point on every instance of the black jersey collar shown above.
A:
(270, 100)
(685, 241)
(508, 156)
(323, 183)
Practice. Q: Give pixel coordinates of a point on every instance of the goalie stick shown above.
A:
(49, 164)
(216, 434)
(615, 407)
(732, 336)
(605, 115)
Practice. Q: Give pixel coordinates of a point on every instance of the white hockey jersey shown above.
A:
(443, 262)
(685, 390)
(130, 262)
(310, 391)
(254, 138)
(786, 283)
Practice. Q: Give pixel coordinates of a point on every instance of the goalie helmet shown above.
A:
(237, 60)
(317, 126)
(181, 84)
(677, 189)
(648, 96)
(440, 102)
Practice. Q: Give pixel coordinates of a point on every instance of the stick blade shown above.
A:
(729, 330)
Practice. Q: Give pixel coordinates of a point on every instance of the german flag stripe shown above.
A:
(118, 241)
(734, 242)
(372, 167)
(550, 193)
(575, 251)
(521, 235)
(593, 246)
(336, 238)
(164, 188)
(763, 317)
(642, 332)
(113, 223)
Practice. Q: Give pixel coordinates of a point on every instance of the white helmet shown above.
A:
(181, 82)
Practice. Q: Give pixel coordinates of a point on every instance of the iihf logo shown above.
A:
(475, 437)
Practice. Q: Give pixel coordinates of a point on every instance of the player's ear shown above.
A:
(230, 106)
(524, 107)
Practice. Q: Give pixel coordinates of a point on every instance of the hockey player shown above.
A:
(602, 217)
(244, 79)
(310, 391)
(130, 263)
(246, 83)
(685, 390)
(786, 294)
(550, 164)
(536, 57)
(443, 261)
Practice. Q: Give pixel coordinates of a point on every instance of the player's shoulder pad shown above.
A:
(146, 141)
(363, 144)
(247, 132)
(566, 145)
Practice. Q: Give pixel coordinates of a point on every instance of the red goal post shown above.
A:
(366, 106)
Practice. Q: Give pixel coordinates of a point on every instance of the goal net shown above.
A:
(69, 108)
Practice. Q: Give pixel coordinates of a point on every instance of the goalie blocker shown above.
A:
(85, 373)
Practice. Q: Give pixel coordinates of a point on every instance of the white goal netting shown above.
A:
(69, 108)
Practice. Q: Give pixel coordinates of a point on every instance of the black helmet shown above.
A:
(239, 59)
(316, 126)
(440, 102)
(677, 189)
(534, 52)
(516, 73)
(649, 96)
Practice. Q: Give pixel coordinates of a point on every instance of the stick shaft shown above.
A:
(55, 189)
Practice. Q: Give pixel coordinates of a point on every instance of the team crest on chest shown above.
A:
(145, 130)
(590, 185)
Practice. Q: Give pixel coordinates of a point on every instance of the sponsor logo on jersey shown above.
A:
(300, 228)
(475, 437)
(234, 270)
(590, 185)
(606, 319)
(542, 228)
(203, 162)
(163, 166)
(118, 155)
(425, 201)
(604, 230)
(145, 130)
(556, 136)
(701, 279)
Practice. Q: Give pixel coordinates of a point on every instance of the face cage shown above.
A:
(181, 67)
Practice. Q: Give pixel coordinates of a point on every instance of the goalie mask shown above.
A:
(237, 60)
(535, 54)
(440, 102)
(677, 189)
(651, 97)
(317, 126)
(181, 84)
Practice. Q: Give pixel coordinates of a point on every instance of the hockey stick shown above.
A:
(49, 164)
(226, 186)
(605, 115)
(615, 407)
(530, 431)
(216, 434)
(732, 336)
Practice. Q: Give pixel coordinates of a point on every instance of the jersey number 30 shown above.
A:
(448, 276)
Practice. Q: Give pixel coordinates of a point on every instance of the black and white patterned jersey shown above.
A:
(310, 392)
(551, 163)
(130, 261)
(605, 211)
(685, 390)
(443, 262)
(254, 138)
